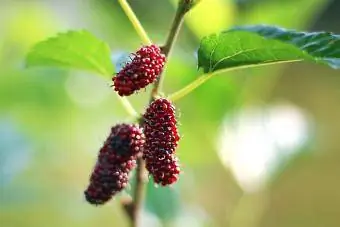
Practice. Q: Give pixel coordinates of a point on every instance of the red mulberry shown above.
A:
(161, 141)
(144, 68)
(115, 161)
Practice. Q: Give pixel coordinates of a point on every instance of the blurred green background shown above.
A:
(259, 148)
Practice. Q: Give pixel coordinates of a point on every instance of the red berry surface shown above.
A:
(163, 167)
(146, 65)
(160, 128)
(115, 161)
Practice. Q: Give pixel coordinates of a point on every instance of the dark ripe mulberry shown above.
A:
(144, 68)
(160, 128)
(115, 161)
(107, 180)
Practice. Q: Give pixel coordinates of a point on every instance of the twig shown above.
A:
(183, 7)
(139, 192)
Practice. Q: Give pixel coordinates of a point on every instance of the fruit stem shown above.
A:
(135, 22)
(183, 7)
(128, 106)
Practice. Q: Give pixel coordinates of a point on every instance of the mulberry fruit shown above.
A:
(116, 159)
(161, 141)
(146, 65)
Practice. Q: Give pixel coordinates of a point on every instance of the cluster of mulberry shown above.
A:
(161, 141)
(156, 141)
(144, 68)
(115, 161)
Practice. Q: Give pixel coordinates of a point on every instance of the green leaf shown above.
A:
(261, 45)
(73, 49)
(164, 202)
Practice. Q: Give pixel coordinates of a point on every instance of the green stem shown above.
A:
(190, 87)
(135, 22)
(145, 38)
(183, 7)
(127, 106)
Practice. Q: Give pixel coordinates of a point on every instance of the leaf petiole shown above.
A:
(199, 81)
